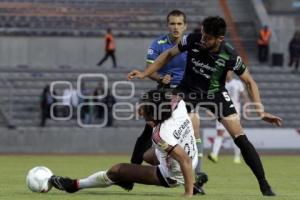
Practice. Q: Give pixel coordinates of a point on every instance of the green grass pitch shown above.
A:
(226, 180)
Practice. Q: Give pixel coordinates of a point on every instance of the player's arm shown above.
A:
(185, 163)
(155, 76)
(253, 91)
(244, 96)
(161, 61)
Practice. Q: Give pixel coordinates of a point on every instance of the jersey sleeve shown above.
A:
(153, 52)
(238, 66)
(163, 138)
(236, 63)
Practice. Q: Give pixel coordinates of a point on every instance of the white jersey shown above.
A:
(177, 130)
(234, 88)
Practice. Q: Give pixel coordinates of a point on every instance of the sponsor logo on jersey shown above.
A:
(162, 41)
(178, 133)
(197, 63)
(200, 68)
(195, 50)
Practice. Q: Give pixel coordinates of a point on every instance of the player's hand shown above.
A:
(135, 74)
(271, 119)
(166, 79)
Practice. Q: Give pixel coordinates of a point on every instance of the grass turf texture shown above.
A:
(226, 180)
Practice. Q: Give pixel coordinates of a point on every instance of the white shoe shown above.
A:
(237, 160)
(212, 158)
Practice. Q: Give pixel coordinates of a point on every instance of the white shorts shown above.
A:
(170, 169)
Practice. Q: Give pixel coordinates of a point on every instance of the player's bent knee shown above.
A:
(146, 158)
(114, 172)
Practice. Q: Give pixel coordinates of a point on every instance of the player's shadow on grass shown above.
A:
(113, 193)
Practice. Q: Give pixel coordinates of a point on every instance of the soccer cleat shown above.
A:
(201, 179)
(197, 190)
(268, 193)
(237, 160)
(64, 183)
(125, 185)
(212, 158)
(266, 189)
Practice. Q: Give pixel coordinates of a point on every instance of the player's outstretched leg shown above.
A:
(98, 179)
(119, 174)
(249, 153)
(252, 159)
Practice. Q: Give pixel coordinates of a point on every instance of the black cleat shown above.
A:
(266, 189)
(125, 185)
(197, 190)
(268, 192)
(64, 183)
(201, 179)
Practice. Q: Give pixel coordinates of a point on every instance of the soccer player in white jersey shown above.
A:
(175, 150)
(236, 90)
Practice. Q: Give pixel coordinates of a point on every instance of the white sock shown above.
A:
(217, 145)
(98, 179)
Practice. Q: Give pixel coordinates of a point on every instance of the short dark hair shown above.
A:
(215, 26)
(176, 13)
(156, 106)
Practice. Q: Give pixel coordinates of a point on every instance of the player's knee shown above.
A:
(114, 172)
(147, 158)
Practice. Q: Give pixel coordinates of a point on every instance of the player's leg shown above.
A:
(250, 155)
(113, 57)
(150, 157)
(201, 177)
(213, 156)
(134, 173)
(142, 144)
(118, 173)
(103, 59)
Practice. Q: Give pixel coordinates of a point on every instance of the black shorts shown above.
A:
(219, 103)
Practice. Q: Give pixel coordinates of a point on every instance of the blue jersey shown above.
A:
(175, 67)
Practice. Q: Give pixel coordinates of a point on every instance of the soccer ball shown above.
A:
(37, 179)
